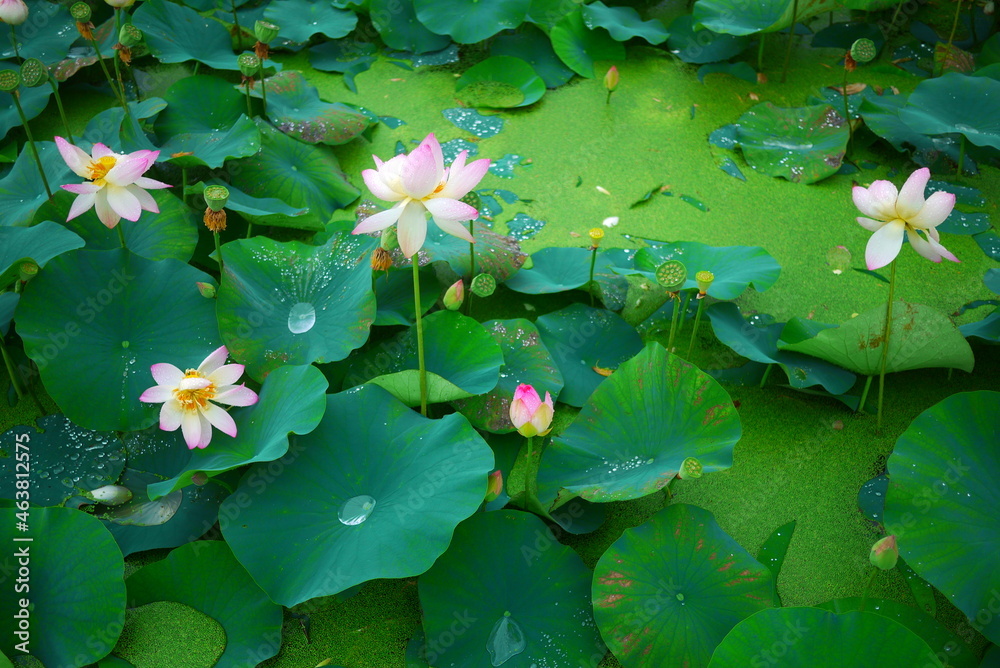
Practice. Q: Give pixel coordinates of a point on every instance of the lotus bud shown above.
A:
(595, 234)
(110, 495)
(216, 197)
(483, 285)
(885, 554)
(129, 36)
(529, 414)
(672, 275)
(494, 486)
(389, 241)
(13, 12)
(249, 64)
(207, 290)
(9, 81)
(863, 50)
(119, 4)
(200, 479)
(34, 73)
(611, 79)
(989, 8)
(455, 295)
(28, 270)
(704, 280)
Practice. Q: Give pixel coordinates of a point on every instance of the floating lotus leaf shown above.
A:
(114, 314)
(557, 270)
(580, 47)
(500, 81)
(39, 244)
(701, 582)
(397, 25)
(46, 35)
(496, 254)
(376, 491)
(348, 57)
(525, 601)
(77, 577)
(694, 43)
(293, 105)
(257, 210)
(957, 103)
(301, 19)
(735, 267)
(773, 552)
(470, 21)
(394, 295)
(21, 190)
(291, 303)
(921, 338)
(534, 47)
(623, 23)
(821, 639)
(942, 507)
(801, 144)
(881, 116)
(735, 18)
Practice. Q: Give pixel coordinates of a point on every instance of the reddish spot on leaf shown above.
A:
(610, 601)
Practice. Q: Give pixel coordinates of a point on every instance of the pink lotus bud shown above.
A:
(13, 12)
(529, 414)
(611, 79)
(884, 554)
(207, 290)
(455, 295)
(495, 486)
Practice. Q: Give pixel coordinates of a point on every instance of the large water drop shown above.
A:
(301, 318)
(356, 510)
(506, 640)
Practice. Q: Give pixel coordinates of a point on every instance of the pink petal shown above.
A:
(226, 375)
(380, 220)
(171, 416)
(922, 246)
(451, 209)
(378, 187)
(81, 204)
(167, 374)
(941, 250)
(206, 431)
(126, 170)
(878, 201)
(236, 395)
(122, 202)
(420, 175)
(936, 209)
(528, 396)
(82, 188)
(196, 383)
(101, 151)
(455, 229)
(911, 195)
(412, 228)
(884, 245)
(146, 201)
(220, 419)
(151, 184)
(465, 178)
(431, 142)
(157, 395)
(191, 428)
(75, 157)
(214, 361)
(869, 224)
(104, 211)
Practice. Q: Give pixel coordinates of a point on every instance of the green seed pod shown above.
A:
(9, 80)
(216, 197)
(704, 280)
(34, 73)
(249, 64)
(129, 35)
(483, 285)
(389, 240)
(672, 275)
(690, 468)
(28, 270)
(265, 31)
(863, 50)
(472, 199)
(80, 11)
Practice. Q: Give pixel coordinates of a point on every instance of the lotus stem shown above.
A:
(31, 141)
(13, 41)
(954, 25)
(236, 26)
(673, 321)
(420, 334)
(249, 107)
(263, 89)
(767, 373)
(885, 342)
(121, 235)
(249, 230)
(864, 393)
(760, 53)
(184, 184)
(961, 154)
(791, 35)
(62, 112)
(472, 269)
(218, 252)
(590, 283)
(120, 94)
(867, 590)
(118, 68)
(16, 379)
(697, 321)
(847, 112)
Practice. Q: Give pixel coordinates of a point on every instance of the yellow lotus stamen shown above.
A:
(192, 400)
(99, 169)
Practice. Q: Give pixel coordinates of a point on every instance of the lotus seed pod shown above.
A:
(672, 275)
(34, 73)
(216, 197)
(28, 270)
(110, 495)
(596, 234)
(80, 11)
(472, 199)
(690, 468)
(265, 31)
(129, 35)
(249, 64)
(884, 554)
(864, 50)
(704, 280)
(483, 285)
(9, 80)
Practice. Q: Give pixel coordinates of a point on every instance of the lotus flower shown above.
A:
(420, 184)
(187, 397)
(118, 187)
(530, 415)
(13, 12)
(891, 213)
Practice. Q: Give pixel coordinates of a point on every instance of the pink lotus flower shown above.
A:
(891, 213)
(529, 414)
(421, 184)
(118, 187)
(13, 12)
(187, 397)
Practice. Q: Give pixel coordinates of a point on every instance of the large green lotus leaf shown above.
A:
(462, 356)
(734, 17)
(113, 314)
(470, 21)
(801, 144)
(310, 18)
(46, 35)
(958, 103)
(64, 460)
(33, 101)
(111, 128)
(496, 254)
(821, 639)
(77, 577)
(701, 581)
(558, 270)
(175, 34)
(500, 81)
(639, 425)
(533, 46)
(293, 105)
(694, 43)
(943, 506)
(524, 602)
(921, 338)
(987, 329)
(580, 47)
(394, 295)
(525, 360)
(934, 633)
(39, 243)
(760, 344)
(257, 210)
(22, 191)
(206, 576)
(735, 267)
(397, 25)
(302, 176)
(374, 492)
(292, 400)
(881, 115)
(8, 302)
(623, 23)
(171, 233)
(292, 303)
(547, 13)
(581, 338)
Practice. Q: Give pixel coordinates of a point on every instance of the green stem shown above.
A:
(236, 24)
(13, 41)
(249, 108)
(867, 590)
(673, 321)
(767, 373)
(608, 101)
(961, 154)
(196, 66)
(954, 25)
(17, 380)
(847, 111)
(885, 342)
(895, 14)
(121, 234)
(760, 53)
(791, 36)
(263, 89)
(697, 321)
(118, 65)
(222, 483)
(420, 334)
(62, 112)
(249, 230)
(864, 394)
(472, 269)
(218, 252)
(31, 142)
(972, 21)
(184, 184)
(111, 82)
(590, 283)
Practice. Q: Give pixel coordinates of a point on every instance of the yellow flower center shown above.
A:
(99, 169)
(196, 399)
